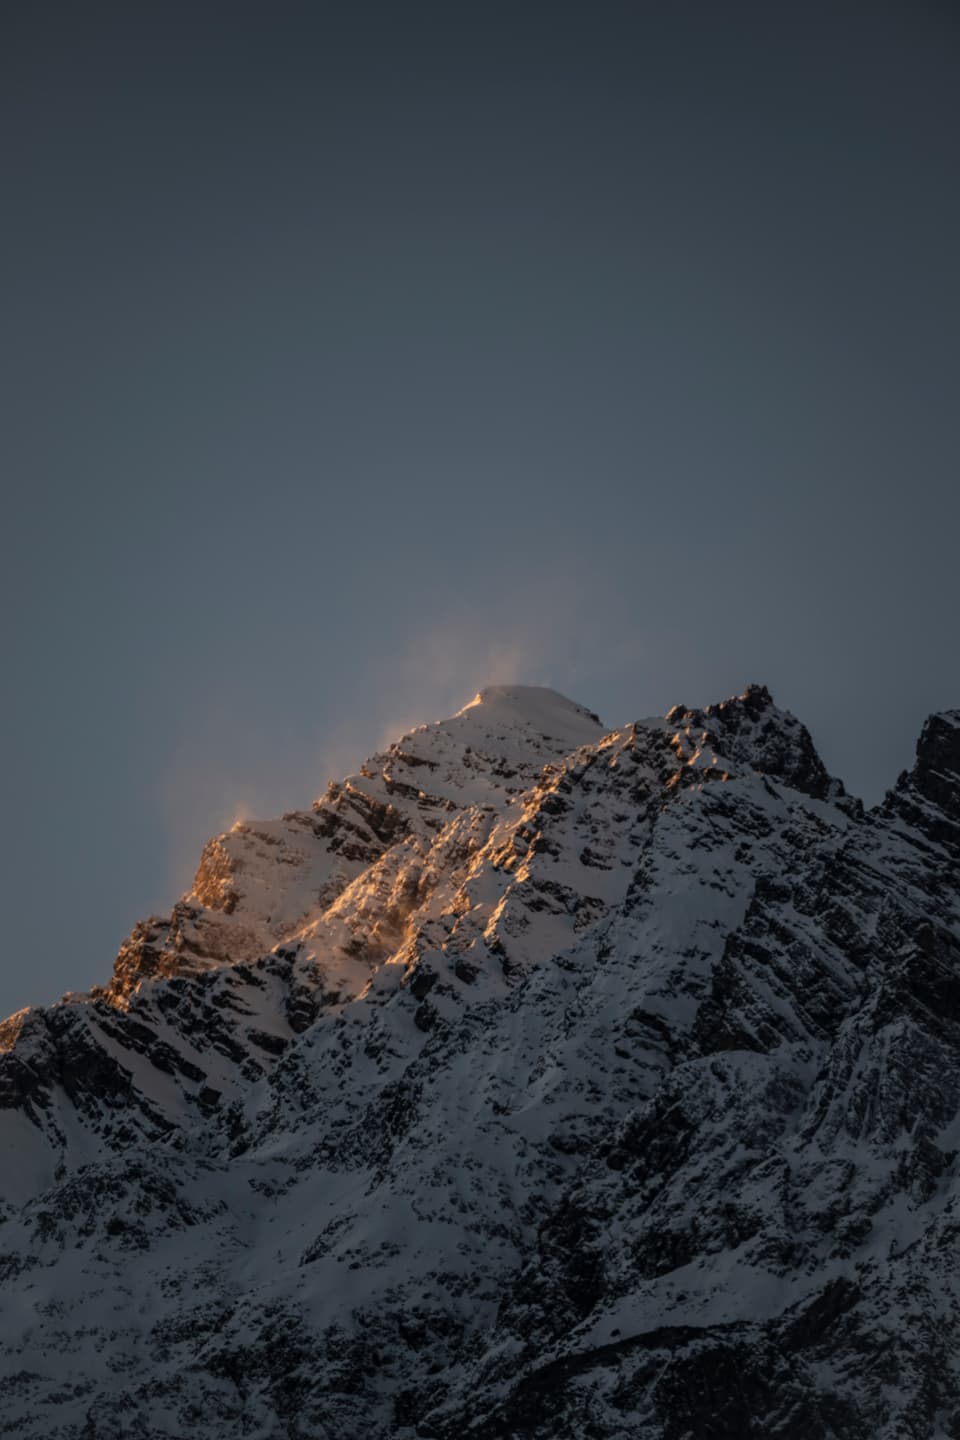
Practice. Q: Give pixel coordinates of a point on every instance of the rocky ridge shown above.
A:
(539, 1080)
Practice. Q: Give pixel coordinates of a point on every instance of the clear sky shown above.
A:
(357, 355)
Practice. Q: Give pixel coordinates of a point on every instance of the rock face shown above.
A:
(539, 1081)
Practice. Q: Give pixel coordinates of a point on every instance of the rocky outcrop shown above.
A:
(538, 1081)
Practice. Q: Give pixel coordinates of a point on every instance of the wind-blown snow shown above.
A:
(537, 1080)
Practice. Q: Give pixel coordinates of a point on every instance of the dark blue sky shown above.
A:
(355, 356)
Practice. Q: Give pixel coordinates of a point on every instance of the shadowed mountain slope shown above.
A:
(539, 1080)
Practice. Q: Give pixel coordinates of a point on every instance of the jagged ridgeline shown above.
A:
(539, 1081)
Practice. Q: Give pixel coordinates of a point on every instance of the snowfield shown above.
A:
(539, 1081)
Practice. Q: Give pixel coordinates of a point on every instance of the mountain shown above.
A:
(539, 1081)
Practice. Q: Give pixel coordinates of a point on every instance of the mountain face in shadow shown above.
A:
(540, 1080)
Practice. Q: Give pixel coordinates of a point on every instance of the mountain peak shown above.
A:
(928, 796)
(615, 1074)
(753, 701)
(534, 706)
(751, 729)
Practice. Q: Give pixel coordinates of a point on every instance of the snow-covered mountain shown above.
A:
(539, 1081)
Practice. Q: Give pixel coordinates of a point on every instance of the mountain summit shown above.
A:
(539, 1080)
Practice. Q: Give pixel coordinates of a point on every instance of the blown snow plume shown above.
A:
(539, 1080)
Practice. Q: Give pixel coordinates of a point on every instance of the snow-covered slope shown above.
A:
(538, 1081)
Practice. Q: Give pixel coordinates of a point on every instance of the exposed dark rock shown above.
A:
(535, 1083)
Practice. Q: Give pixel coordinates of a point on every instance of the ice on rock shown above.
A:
(540, 1079)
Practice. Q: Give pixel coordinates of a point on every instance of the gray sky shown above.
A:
(357, 355)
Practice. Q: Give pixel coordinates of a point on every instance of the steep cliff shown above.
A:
(538, 1081)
